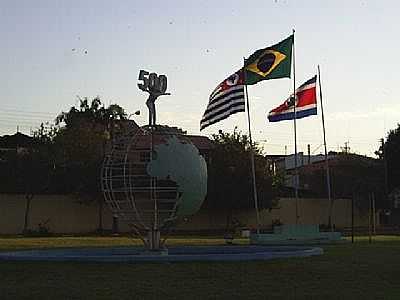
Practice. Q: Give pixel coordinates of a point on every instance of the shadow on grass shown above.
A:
(348, 271)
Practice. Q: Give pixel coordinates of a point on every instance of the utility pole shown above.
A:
(352, 218)
(373, 214)
(370, 218)
(385, 167)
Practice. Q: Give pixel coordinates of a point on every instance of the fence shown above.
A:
(65, 214)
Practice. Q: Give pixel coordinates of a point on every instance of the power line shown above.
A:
(24, 119)
(19, 115)
(27, 112)
(22, 123)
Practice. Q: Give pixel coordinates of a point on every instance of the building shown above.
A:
(17, 143)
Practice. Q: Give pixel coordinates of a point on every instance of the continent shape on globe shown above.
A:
(180, 161)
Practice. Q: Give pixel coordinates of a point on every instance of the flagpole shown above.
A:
(253, 171)
(328, 179)
(296, 183)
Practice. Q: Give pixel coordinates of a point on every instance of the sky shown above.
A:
(54, 52)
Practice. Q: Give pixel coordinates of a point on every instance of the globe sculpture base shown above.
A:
(154, 240)
(152, 177)
(155, 252)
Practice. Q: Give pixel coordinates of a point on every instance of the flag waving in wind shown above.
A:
(270, 63)
(306, 103)
(225, 100)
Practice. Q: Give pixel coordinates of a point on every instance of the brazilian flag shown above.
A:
(269, 63)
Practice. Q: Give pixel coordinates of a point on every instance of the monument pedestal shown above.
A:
(296, 234)
(153, 240)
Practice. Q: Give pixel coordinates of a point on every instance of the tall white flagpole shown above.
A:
(296, 171)
(328, 178)
(253, 171)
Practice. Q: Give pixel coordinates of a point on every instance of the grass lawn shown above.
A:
(346, 271)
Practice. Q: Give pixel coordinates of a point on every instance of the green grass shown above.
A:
(345, 271)
(24, 243)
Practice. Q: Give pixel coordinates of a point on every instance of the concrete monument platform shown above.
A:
(300, 234)
(173, 254)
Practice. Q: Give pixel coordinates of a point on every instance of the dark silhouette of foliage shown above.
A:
(230, 179)
(25, 166)
(80, 144)
(65, 158)
(28, 166)
(390, 153)
(351, 176)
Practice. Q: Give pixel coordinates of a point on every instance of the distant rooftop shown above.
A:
(16, 140)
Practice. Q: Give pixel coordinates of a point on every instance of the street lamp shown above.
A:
(136, 113)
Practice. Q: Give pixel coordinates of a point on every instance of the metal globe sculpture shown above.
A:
(152, 177)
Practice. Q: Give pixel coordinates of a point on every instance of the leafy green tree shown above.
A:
(230, 184)
(81, 142)
(351, 176)
(389, 152)
(65, 158)
(28, 168)
(24, 167)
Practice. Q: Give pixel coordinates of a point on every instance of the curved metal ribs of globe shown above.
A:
(152, 177)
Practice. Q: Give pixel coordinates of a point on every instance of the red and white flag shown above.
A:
(306, 103)
(226, 99)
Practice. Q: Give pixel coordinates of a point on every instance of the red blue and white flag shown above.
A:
(306, 103)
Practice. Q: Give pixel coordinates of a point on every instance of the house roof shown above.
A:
(17, 139)
(201, 142)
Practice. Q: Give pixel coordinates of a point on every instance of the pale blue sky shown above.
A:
(197, 44)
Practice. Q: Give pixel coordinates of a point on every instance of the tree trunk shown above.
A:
(330, 218)
(100, 226)
(28, 198)
(330, 221)
(115, 225)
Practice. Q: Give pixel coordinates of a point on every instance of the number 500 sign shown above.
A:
(151, 82)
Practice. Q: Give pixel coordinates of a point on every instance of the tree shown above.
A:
(36, 169)
(80, 145)
(352, 175)
(230, 185)
(34, 166)
(389, 152)
(65, 158)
